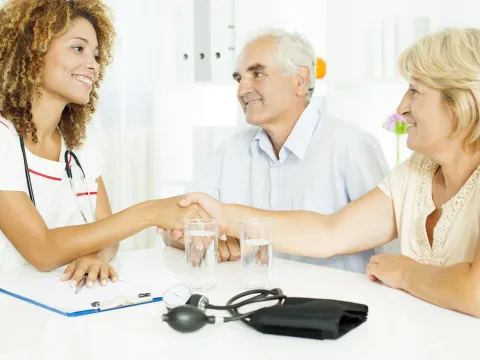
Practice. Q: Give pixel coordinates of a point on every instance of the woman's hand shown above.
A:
(168, 214)
(210, 208)
(95, 266)
(171, 213)
(389, 269)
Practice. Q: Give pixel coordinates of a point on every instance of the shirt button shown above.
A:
(274, 186)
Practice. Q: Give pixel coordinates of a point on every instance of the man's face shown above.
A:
(264, 92)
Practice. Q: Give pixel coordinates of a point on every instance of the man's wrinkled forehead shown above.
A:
(259, 51)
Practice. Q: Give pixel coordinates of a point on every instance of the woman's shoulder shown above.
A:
(8, 138)
(7, 130)
(415, 161)
(404, 175)
(11, 162)
(415, 164)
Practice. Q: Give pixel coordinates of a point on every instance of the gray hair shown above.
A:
(294, 50)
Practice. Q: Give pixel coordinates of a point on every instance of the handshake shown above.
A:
(177, 210)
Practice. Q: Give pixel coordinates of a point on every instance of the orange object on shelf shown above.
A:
(321, 68)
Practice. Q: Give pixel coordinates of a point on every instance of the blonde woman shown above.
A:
(431, 201)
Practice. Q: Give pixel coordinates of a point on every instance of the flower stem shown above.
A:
(398, 149)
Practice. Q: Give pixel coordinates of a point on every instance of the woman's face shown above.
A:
(431, 123)
(71, 65)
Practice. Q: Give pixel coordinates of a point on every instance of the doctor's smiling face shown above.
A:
(264, 91)
(71, 64)
(57, 53)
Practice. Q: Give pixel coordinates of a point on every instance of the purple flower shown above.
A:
(395, 123)
(399, 118)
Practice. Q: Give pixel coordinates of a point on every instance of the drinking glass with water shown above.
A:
(201, 242)
(256, 236)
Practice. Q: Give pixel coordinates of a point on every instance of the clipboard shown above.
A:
(47, 291)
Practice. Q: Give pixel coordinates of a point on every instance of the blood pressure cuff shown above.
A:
(309, 318)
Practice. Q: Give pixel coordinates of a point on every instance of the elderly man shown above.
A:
(294, 157)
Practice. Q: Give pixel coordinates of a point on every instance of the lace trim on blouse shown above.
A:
(425, 206)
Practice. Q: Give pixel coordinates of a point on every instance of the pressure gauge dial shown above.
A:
(176, 295)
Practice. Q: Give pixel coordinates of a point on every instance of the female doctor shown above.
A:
(54, 208)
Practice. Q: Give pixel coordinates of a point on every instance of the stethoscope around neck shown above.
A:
(69, 175)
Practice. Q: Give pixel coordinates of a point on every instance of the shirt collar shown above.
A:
(260, 142)
(298, 140)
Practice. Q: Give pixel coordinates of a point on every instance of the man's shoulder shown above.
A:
(242, 139)
(340, 126)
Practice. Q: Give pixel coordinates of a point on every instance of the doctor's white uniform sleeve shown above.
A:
(12, 172)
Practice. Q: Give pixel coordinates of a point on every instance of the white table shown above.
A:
(399, 326)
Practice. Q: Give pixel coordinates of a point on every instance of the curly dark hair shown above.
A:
(26, 30)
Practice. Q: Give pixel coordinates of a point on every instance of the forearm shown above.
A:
(109, 252)
(363, 224)
(65, 244)
(453, 287)
(303, 233)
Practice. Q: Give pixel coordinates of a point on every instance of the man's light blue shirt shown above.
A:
(324, 164)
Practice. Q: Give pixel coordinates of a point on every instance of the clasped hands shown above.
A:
(202, 206)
